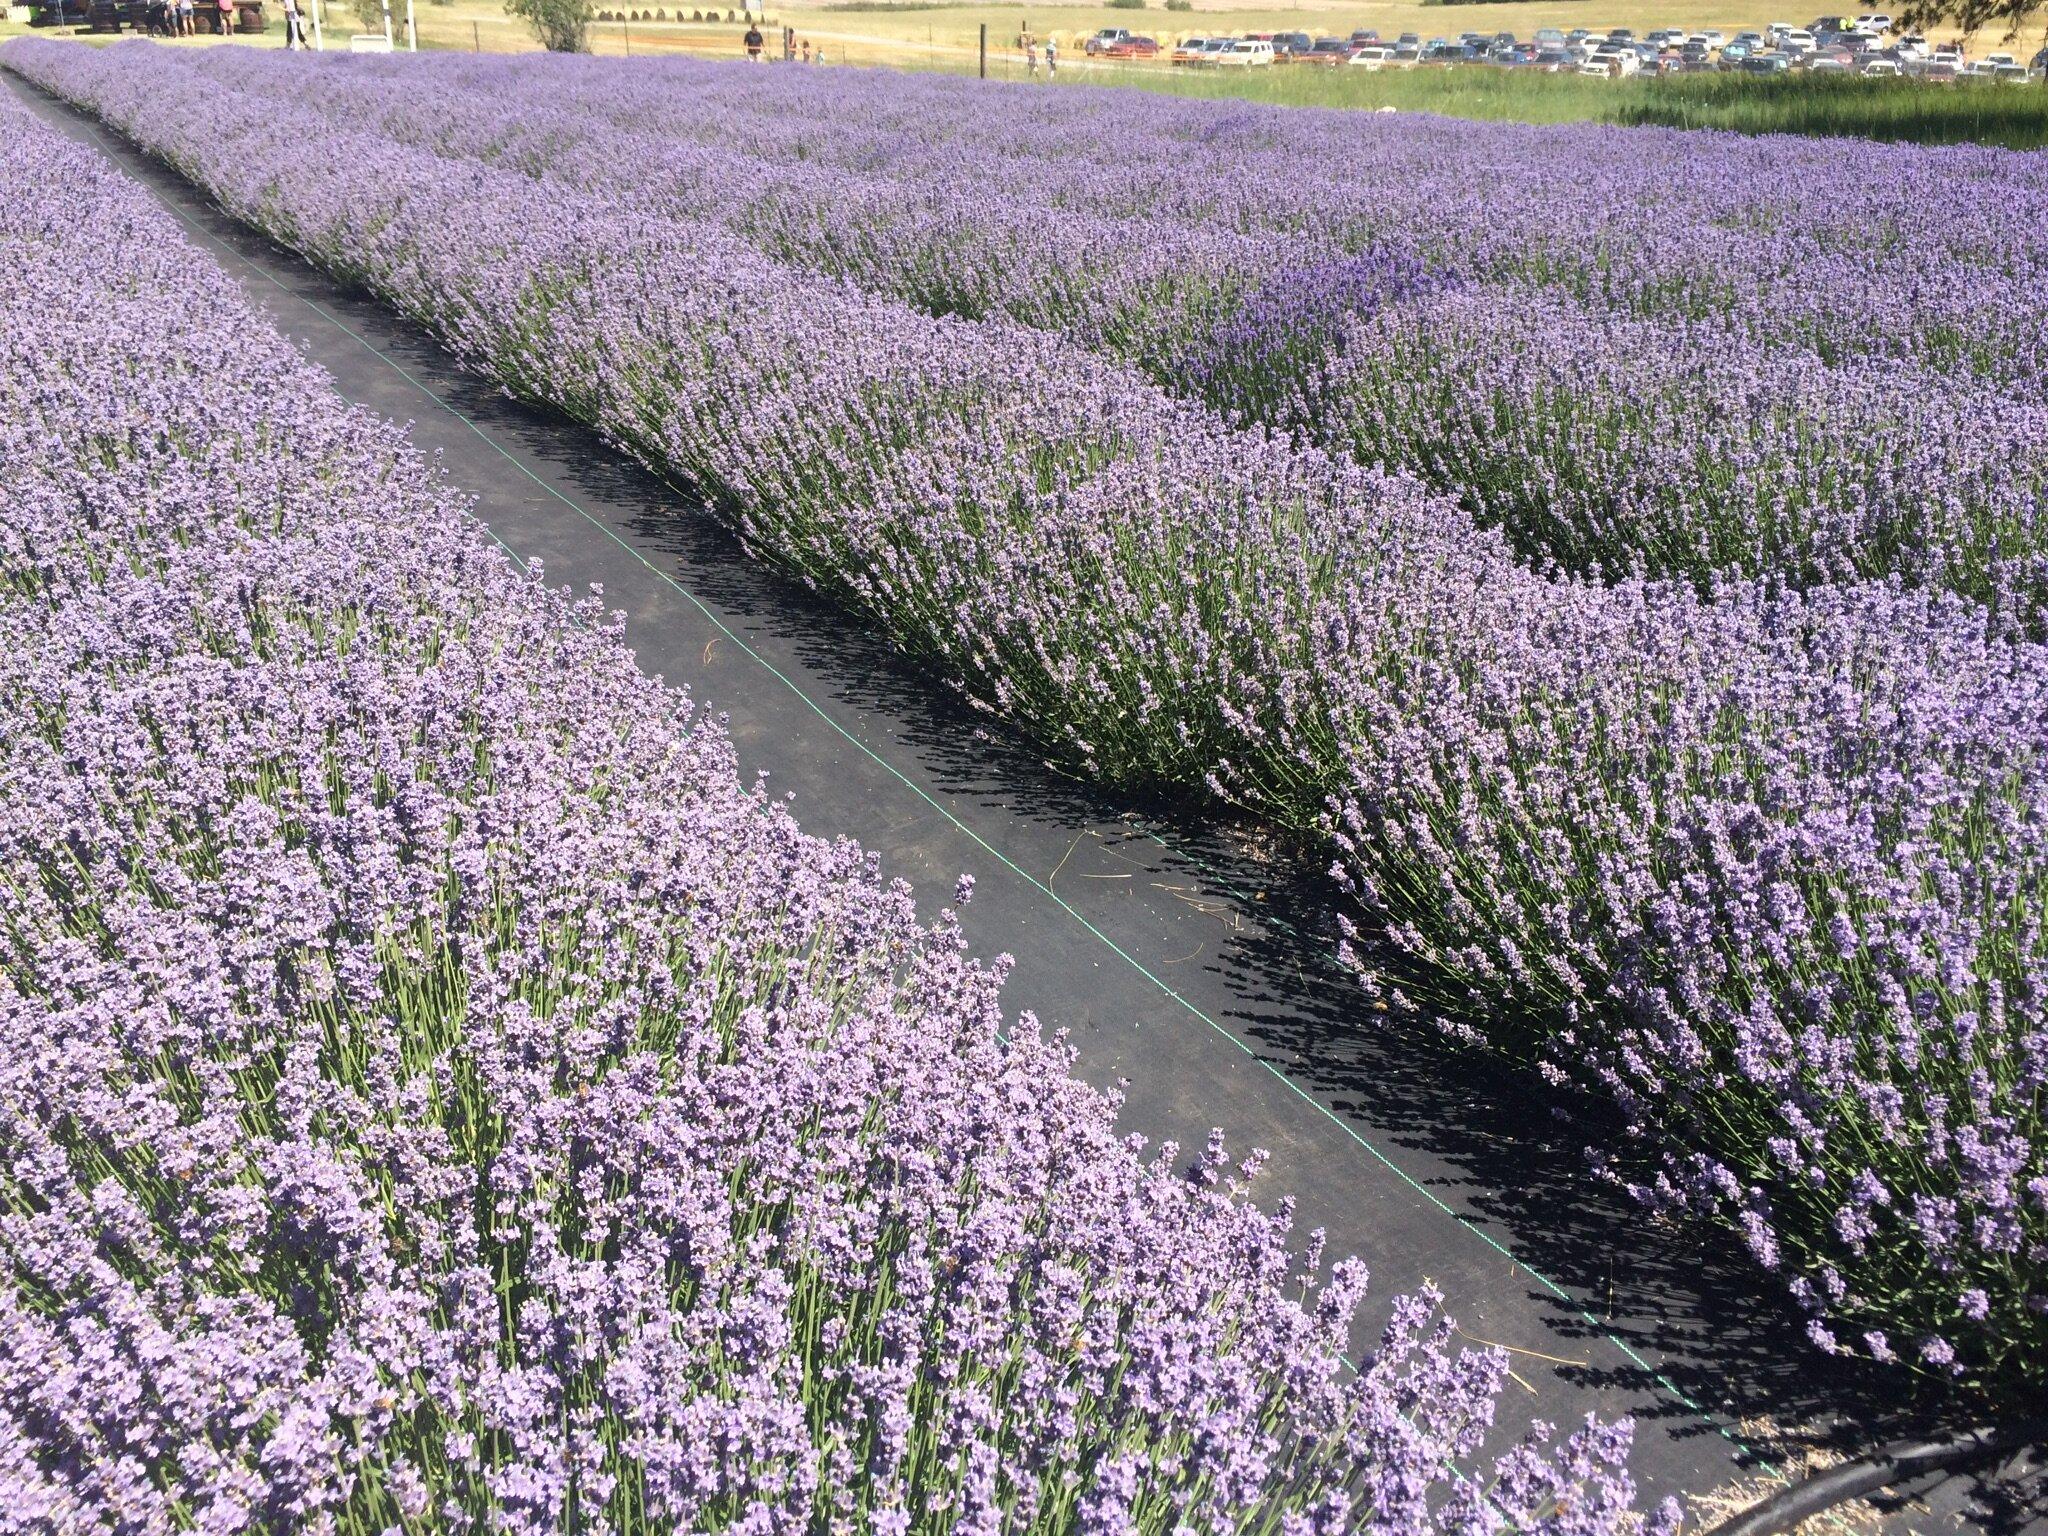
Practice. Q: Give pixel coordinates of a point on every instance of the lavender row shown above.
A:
(1759, 868)
(438, 1095)
(1693, 447)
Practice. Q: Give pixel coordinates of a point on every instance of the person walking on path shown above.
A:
(753, 40)
(1052, 58)
(1031, 59)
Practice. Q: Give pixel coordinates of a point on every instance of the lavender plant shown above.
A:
(1760, 866)
(436, 1095)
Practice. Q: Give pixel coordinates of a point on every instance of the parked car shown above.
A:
(1186, 50)
(1287, 44)
(1328, 50)
(1882, 69)
(1767, 64)
(1612, 60)
(1101, 41)
(1132, 48)
(1372, 56)
(1246, 52)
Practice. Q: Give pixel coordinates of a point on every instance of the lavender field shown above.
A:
(1642, 616)
(438, 1095)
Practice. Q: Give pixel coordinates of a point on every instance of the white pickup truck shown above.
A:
(1105, 38)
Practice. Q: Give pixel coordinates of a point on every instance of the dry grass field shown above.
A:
(947, 36)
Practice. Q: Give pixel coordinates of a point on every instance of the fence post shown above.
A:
(984, 50)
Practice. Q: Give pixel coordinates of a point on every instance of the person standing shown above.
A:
(754, 42)
(1030, 59)
(294, 34)
(187, 26)
(1052, 58)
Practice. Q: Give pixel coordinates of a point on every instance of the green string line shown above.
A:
(1627, 1351)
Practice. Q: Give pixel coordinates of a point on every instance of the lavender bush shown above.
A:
(438, 1096)
(1762, 867)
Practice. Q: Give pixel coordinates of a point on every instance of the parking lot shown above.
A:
(1860, 45)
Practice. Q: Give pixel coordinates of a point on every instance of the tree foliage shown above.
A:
(563, 26)
(2012, 17)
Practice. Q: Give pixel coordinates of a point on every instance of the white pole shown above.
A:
(387, 23)
(412, 31)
